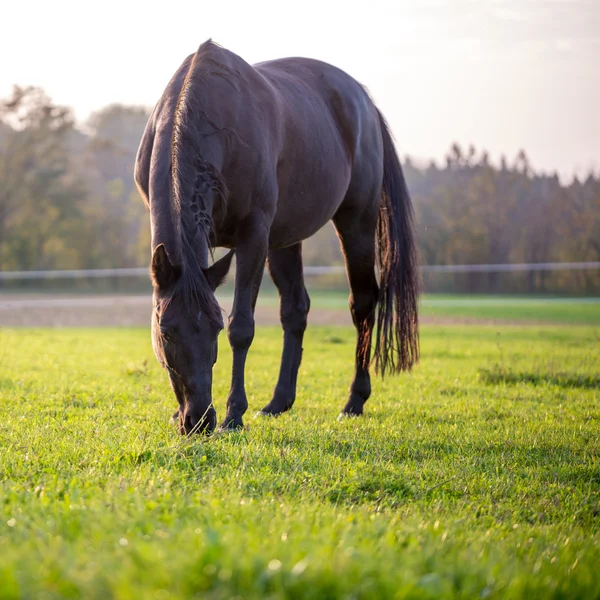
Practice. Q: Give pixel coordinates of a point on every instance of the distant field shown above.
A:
(328, 308)
(477, 476)
(508, 308)
(513, 308)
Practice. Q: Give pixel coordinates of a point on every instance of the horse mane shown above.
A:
(196, 187)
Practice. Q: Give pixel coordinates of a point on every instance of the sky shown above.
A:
(500, 74)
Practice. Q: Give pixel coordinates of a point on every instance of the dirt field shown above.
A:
(134, 311)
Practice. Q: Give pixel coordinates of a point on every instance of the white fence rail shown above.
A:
(310, 270)
(72, 274)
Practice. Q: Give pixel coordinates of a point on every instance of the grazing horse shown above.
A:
(257, 159)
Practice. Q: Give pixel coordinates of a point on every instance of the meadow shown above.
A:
(479, 307)
(476, 476)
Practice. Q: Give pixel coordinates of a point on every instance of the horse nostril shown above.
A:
(193, 421)
(197, 422)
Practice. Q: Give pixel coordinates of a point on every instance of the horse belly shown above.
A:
(307, 202)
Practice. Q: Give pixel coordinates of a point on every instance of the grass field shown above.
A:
(514, 309)
(477, 476)
(538, 309)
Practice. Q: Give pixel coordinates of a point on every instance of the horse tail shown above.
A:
(397, 335)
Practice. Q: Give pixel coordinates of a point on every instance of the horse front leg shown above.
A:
(251, 253)
(285, 267)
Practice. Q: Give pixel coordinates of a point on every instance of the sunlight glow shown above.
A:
(502, 74)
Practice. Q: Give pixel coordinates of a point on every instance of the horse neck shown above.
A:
(164, 225)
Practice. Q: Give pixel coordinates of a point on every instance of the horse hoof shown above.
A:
(228, 430)
(231, 425)
(265, 413)
(273, 409)
(348, 415)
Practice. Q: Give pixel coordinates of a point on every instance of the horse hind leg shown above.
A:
(357, 241)
(285, 268)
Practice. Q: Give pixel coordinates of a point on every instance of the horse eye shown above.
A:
(166, 334)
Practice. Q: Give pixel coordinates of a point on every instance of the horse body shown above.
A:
(257, 159)
(319, 142)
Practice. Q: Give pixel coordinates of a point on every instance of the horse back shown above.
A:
(330, 136)
(286, 135)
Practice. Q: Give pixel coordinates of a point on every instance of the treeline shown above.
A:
(67, 195)
(68, 200)
(472, 212)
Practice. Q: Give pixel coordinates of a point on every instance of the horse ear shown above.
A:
(216, 273)
(163, 272)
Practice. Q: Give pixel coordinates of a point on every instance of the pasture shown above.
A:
(476, 476)
(478, 308)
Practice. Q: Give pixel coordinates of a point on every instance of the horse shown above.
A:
(256, 159)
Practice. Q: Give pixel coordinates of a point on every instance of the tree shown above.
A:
(39, 196)
(119, 234)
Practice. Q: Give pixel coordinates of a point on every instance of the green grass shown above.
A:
(477, 476)
(513, 308)
(538, 309)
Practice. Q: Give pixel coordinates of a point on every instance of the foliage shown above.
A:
(67, 199)
(473, 213)
(40, 195)
(475, 477)
(121, 231)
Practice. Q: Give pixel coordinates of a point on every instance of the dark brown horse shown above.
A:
(257, 159)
